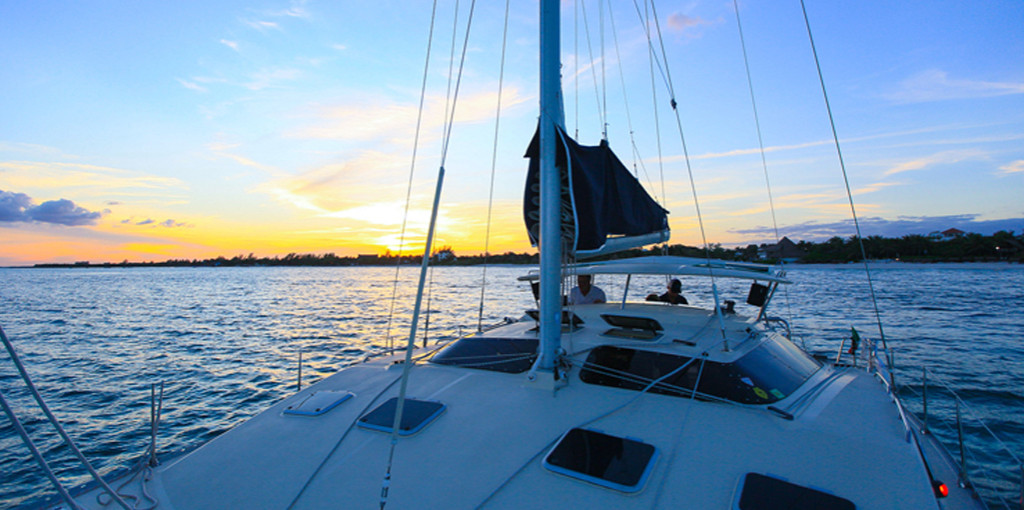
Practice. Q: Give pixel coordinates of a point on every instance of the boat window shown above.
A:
(762, 492)
(416, 414)
(570, 321)
(625, 326)
(767, 374)
(510, 355)
(609, 461)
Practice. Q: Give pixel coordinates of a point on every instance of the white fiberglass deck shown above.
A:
(846, 438)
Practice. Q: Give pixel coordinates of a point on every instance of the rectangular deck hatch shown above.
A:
(614, 462)
(318, 402)
(416, 414)
(761, 492)
(636, 328)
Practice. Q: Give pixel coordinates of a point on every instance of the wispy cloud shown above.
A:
(937, 85)
(297, 9)
(35, 174)
(230, 44)
(261, 25)
(944, 157)
(191, 85)
(395, 122)
(1015, 167)
(272, 78)
(33, 149)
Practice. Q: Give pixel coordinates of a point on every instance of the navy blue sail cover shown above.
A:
(600, 198)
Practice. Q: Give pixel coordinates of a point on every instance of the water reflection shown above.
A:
(225, 341)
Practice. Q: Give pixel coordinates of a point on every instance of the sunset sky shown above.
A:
(155, 130)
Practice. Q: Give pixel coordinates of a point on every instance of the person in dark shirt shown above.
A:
(673, 296)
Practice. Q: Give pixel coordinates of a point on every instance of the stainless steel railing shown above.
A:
(982, 466)
(57, 427)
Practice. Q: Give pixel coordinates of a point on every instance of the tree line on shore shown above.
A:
(1001, 246)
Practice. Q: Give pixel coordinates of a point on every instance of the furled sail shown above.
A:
(604, 208)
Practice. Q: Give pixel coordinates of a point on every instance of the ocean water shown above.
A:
(225, 343)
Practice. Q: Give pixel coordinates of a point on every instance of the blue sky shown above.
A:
(148, 131)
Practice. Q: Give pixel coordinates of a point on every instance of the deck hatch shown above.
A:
(509, 355)
(416, 414)
(318, 403)
(614, 462)
(638, 328)
(761, 492)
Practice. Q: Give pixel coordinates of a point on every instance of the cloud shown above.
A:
(262, 26)
(936, 85)
(230, 44)
(684, 24)
(33, 149)
(391, 121)
(146, 222)
(944, 157)
(19, 207)
(1013, 168)
(297, 9)
(171, 224)
(871, 226)
(13, 205)
(191, 85)
(271, 78)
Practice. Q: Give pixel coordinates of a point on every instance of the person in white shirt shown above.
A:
(584, 293)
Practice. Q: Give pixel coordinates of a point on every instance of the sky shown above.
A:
(147, 131)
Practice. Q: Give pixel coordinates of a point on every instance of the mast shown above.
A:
(550, 244)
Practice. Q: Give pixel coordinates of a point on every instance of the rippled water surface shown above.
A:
(225, 343)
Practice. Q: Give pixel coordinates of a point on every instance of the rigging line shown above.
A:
(447, 108)
(645, 22)
(760, 144)
(651, 60)
(625, 97)
(337, 444)
(494, 166)
(458, 83)
(412, 168)
(757, 121)
(407, 368)
(451, 65)
(693, 184)
(593, 72)
(849, 194)
(604, 79)
(576, 66)
(682, 426)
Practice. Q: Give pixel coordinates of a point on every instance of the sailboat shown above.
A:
(627, 403)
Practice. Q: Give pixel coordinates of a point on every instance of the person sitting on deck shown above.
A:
(584, 293)
(673, 296)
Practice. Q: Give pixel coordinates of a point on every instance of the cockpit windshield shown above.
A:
(769, 373)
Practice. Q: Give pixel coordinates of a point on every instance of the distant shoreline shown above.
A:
(959, 248)
(881, 263)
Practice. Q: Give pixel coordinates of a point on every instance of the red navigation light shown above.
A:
(941, 490)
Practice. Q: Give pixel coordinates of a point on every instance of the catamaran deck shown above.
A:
(488, 451)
